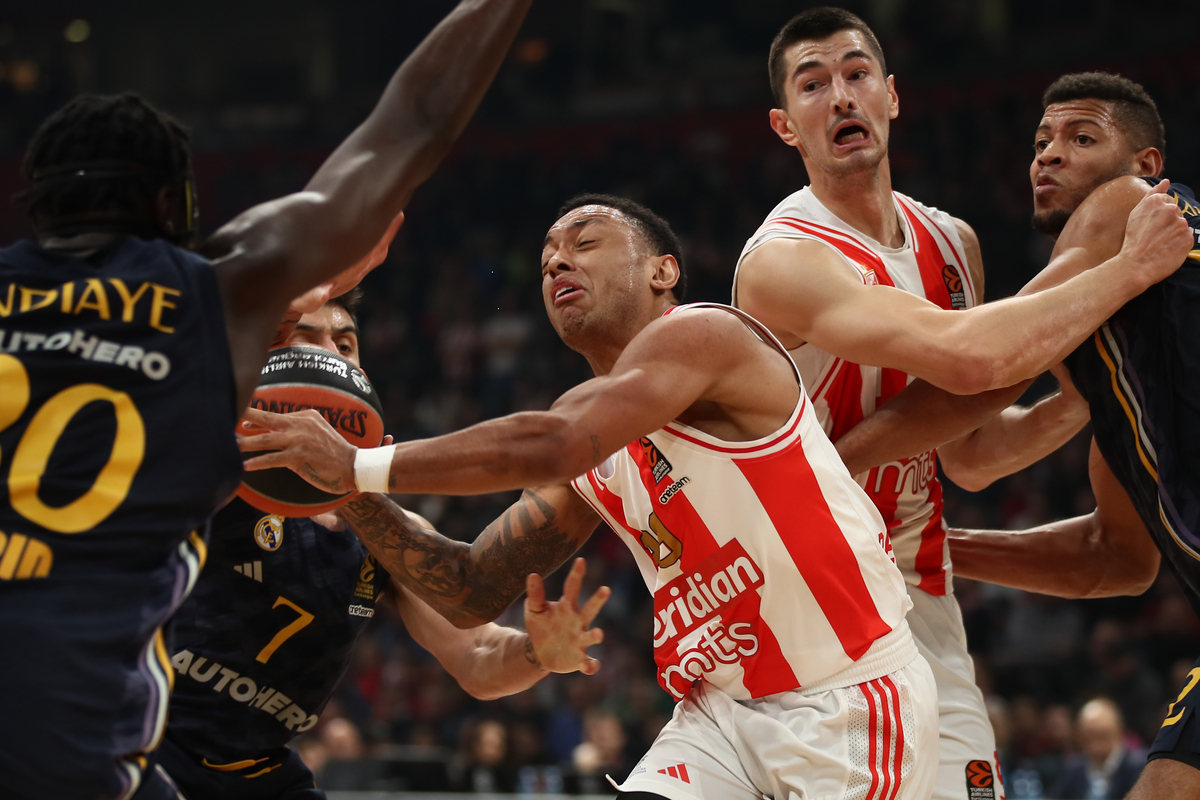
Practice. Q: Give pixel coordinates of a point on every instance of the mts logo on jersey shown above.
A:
(659, 465)
(958, 298)
(709, 615)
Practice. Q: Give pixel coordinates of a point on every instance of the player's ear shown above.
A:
(665, 273)
(1148, 163)
(893, 98)
(783, 128)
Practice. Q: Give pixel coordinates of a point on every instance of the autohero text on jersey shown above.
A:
(244, 690)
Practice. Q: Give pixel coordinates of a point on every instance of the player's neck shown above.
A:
(862, 200)
(602, 348)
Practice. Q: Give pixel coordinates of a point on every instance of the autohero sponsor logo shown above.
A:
(693, 613)
(953, 281)
(361, 611)
(351, 420)
(659, 466)
(242, 689)
(981, 782)
(152, 364)
(673, 489)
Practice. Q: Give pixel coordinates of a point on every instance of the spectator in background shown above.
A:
(602, 751)
(481, 767)
(1106, 769)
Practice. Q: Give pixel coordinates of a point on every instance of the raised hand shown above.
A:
(558, 631)
(306, 443)
(1157, 236)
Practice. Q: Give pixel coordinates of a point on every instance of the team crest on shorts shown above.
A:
(268, 533)
(981, 782)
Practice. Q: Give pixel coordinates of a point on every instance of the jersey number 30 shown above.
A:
(37, 442)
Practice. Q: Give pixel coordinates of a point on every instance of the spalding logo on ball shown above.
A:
(300, 377)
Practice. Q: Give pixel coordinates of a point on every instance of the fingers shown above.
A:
(263, 441)
(267, 419)
(387, 440)
(535, 594)
(574, 582)
(590, 667)
(593, 605)
(268, 461)
(1162, 187)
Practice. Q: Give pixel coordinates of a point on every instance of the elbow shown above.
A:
(975, 369)
(1129, 569)
(480, 690)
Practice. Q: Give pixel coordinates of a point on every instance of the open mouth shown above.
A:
(566, 293)
(850, 134)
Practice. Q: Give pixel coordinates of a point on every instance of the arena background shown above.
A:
(665, 101)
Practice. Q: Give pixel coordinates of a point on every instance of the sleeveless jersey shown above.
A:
(267, 633)
(1140, 374)
(931, 265)
(766, 560)
(117, 411)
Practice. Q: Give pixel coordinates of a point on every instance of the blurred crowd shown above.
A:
(453, 332)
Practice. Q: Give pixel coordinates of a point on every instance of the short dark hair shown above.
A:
(815, 24)
(145, 148)
(1134, 110)
(655, 230)
(349, 301)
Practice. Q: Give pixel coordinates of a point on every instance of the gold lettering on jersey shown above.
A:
(268, 533)
(366, 580)
(23, 557)
(1185, 206)
(658, 537)
(95, 297)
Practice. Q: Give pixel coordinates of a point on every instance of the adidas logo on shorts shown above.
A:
(677, 771)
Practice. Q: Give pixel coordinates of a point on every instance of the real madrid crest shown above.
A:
(268, 533)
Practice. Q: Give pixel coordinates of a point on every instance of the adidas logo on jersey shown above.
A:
(251, 569)
(677, 771)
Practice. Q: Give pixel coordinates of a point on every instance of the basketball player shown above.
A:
(867, 289)
(779, 613)
(271, 626)
(1098, 150)
(126, 361)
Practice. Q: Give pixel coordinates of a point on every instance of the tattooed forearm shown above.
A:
(464, 581)
(531, 653)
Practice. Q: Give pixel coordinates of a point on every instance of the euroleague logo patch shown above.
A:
(268, 533)
(950, 274)
(659, 465)
(981, 781)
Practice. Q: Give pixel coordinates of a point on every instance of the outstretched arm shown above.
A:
(1103, 554)
(276, 251)
(470, 584)
(803, 292)
(492, 661)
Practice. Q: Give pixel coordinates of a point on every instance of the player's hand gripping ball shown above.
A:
(300, 377)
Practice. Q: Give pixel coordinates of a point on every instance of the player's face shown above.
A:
(592, 271)
(1077, 147)
(330, 328)
(839, 104)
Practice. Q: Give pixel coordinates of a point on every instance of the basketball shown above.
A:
(300, 377)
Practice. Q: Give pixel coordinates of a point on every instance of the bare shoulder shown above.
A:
(777, 259)
(973, 254)
(702, 331)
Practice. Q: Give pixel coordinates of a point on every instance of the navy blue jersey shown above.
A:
(1140, 374)
(117, 410)
(267, 633)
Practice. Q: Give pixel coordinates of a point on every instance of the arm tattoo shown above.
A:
(531, 654)
(480, 579)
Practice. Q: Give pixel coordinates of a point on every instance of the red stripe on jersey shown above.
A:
(676, 431)
(817, 545)
(889, 743)
(898, 759)
(871, 736)
(767, 671)
(962, 262)
(615, 509)
(931, 555)
(853, 250)
(929, 261)
(843, 395)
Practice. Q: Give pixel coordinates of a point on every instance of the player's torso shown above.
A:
(116, 444)
(767, 562)
(1141, 376)
(269, 629)
(931, 265)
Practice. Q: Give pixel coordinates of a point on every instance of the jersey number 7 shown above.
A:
(288, 632)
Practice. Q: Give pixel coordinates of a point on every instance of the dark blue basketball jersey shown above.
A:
(1140, 373)
(270, 628)
(117, 410)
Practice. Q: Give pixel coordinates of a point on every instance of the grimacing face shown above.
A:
(1077, 148)
(330, 328)
(592, 270)
(839, 104)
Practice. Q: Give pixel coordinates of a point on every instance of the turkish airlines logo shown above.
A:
(980, 780)
(659, 465)
(950, 274)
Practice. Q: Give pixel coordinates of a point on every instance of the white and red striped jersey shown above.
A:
(767, 562)
(930, 264)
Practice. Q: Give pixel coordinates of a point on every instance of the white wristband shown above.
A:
(372, 466)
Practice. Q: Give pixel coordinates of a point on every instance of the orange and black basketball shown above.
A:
(300, 377)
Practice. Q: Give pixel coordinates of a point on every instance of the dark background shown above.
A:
(665, 101)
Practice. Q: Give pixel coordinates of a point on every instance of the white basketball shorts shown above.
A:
(967, 766)
(870, 741)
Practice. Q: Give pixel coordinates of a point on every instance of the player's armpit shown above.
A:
(471, 584)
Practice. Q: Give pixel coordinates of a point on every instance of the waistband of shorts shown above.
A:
(890, 653)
